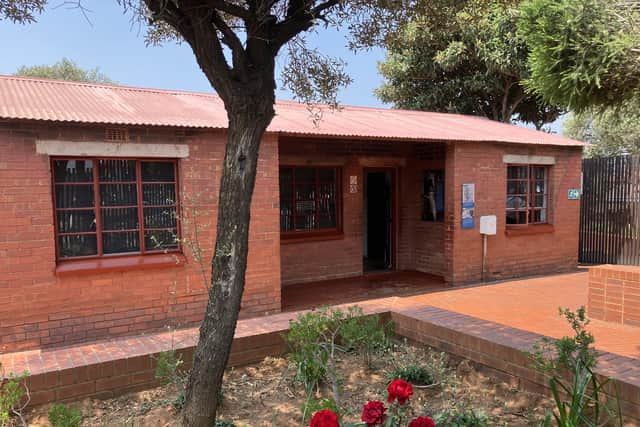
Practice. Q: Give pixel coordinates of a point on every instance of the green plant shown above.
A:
(365, 334)
(168, 369)
(461, 418)
(414, 374)
(579, 395)
(62, 416)
(316, 337)
(223, 423)
(14, 397)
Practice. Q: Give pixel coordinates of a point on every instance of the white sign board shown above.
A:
(488, 225)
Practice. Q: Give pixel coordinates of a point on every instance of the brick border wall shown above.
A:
(614, 294)
(501, 349)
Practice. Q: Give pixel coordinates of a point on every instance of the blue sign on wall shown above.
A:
(468, 205)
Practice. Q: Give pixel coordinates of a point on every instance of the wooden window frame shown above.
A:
(97, 208)
(529, 193)
(319, 233)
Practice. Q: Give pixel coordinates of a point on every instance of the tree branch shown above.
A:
(230, 8)
(230, 38)
(299, 21)
(197, 29)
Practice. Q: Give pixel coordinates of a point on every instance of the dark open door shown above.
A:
(378, 220)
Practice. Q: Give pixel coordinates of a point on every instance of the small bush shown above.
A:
(169, 371)
(578, 393)
(414, 374)
(223, 423)
(461, 418)
(316, 337)
(62, 416)
(168, 367)
(13, 396)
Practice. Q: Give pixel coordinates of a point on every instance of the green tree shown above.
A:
(584, 53)
(462, 57)
(235, 44)
(65, 69)
(21, 11)
(612, 132)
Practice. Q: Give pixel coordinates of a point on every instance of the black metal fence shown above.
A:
(610, 211)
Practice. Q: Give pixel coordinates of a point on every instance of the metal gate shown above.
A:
(610, 211)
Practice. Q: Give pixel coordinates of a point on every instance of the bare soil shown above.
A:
(265, 394)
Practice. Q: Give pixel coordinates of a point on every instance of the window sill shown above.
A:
(527, 230)
(310, 237)
(119, 263)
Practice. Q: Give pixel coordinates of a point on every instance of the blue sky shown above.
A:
(111, 43)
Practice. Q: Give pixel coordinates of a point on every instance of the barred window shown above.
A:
(309, 199)
(527, 194)
(114, 206)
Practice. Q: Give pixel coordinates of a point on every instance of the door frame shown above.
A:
(394, 205)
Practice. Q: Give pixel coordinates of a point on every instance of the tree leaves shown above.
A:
(584, 53)
(21, 11)
(462, 58)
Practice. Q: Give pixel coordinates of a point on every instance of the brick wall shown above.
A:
(419, 244)
(614, 294)
(509, 255)
(40, 308)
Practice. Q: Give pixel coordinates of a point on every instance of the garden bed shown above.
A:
(265, 394)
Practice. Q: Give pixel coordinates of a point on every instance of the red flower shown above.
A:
(373, 413)
(400, 390)
(422, 422)
(324, 418)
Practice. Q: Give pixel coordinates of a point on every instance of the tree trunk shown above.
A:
(250, 112)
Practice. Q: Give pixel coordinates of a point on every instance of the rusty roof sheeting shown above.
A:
(72, 102)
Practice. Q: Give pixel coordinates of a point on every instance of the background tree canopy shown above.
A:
(613, 132)
(463, 57)
(65, 69)
(584, 53)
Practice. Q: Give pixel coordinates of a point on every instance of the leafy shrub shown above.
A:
(13, 397)
(168, 369)
(364, 334)
(414, 374)
(62, 416)
(461, 418)
(420, 366)
(316, 337)
(223, 423)
(578, 393)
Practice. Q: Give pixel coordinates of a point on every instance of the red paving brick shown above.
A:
(532, 305)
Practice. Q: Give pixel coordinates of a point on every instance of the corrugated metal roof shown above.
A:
(60, 101)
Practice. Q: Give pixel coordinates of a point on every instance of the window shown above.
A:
(433, 196)
(309, 199)
(114, 206)
(527, 194)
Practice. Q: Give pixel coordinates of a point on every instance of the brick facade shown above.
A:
(510, 254)
(42, 308)
(614, 294)
(419, 245)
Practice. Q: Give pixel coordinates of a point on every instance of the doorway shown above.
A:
(378, 219)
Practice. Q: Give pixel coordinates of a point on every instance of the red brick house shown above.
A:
(99, 186)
